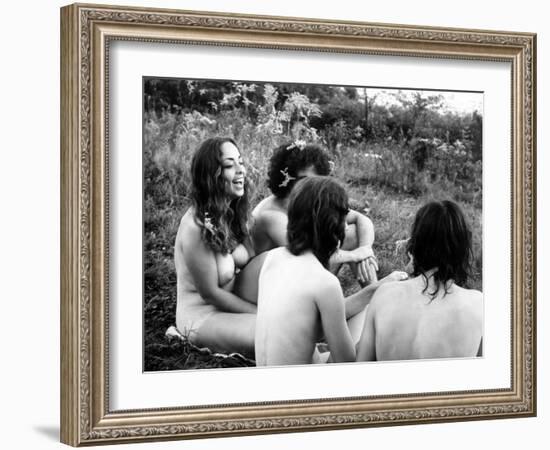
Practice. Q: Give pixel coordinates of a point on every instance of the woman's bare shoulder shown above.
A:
(325, 287)
(469, 294)
(325, 281)
(473, 300)
(189, 230)
(396, 287)
(392, 292)
(268, 214)
(188, 220)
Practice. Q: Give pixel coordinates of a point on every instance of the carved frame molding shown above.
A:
(86, 31)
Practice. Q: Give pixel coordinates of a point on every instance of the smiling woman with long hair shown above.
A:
(211, 246)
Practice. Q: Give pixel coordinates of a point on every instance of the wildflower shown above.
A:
(459, 145)
(208, 223)
(299, 144)
(291, 146)
(444, 148)
(288, 178)
(373, 155)
(401, 245)
(206, 121)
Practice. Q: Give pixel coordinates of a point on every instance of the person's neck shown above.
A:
(310, 255)
(428, 275)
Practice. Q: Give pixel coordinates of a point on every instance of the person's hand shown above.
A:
(366, 271)
(367, 266)
(372, 268)
(397, 275)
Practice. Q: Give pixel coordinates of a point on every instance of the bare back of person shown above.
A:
(287, 325)
(289, 321)
(406, 323)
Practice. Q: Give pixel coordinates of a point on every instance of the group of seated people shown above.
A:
(264, 284)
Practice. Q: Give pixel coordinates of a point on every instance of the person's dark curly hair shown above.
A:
(317, 217)
(223, 221)
(441, 239)
(289, 159)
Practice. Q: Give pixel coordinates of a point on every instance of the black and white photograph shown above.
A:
(295, 224)
(275, 225)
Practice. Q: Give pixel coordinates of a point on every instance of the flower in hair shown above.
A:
(208, 223)
(331, 166)
(299, 144)
(288, 178)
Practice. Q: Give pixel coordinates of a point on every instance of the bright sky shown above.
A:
(459, 102)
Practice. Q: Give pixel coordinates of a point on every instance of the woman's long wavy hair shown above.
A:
(441, 239)
(317, 217)
(223, 221)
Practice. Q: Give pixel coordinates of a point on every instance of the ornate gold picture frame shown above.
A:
(87, 31)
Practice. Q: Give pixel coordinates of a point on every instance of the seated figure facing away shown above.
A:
(288, 164)
(299, 300)
(430, 315)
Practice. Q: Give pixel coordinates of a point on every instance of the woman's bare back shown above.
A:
(287, 325)
(298, 301)
(409, 324)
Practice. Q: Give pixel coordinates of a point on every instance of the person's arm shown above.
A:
(366, 347)
(249, 246)
(330, 302)
(364, 228)
(357, 247)
(201, 262)
(359, 238)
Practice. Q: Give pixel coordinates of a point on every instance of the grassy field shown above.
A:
(380, 178)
